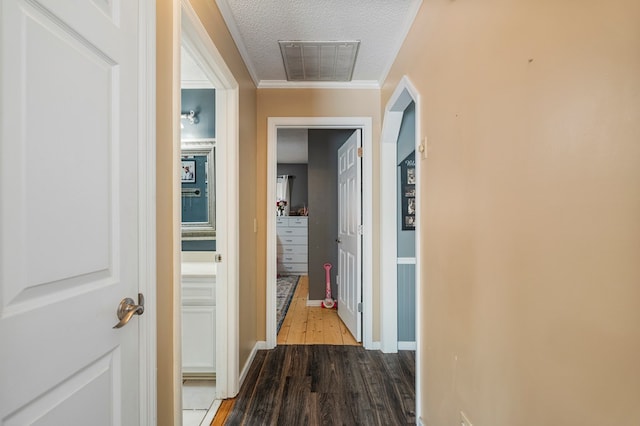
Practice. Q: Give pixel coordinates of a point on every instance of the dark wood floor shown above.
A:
(327, 385)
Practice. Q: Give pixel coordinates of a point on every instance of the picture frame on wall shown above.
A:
(408, 192)
(188, 171)
(411, 175)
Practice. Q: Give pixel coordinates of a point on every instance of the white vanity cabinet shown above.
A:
(198, 318)
(293, 245)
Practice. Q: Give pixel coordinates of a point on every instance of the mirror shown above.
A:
(198, 189)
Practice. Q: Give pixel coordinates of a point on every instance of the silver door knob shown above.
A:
(338, 240)
(127, 308)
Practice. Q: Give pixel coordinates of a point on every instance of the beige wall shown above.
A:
(168, 212)
(167, 215)
(217, 29)
(531, 209)
(308, 103)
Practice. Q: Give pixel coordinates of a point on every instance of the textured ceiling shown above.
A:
(258, 25)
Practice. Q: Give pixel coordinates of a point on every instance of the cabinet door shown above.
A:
(198, 339)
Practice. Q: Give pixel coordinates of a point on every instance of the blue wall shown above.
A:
(195, 205)
(194, 208)
(406, 239)
(203, 102)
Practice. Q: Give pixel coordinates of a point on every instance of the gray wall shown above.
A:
(406, 239)
(297, 185)
(323, 207)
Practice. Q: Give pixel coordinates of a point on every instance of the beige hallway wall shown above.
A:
(531, 209)
(308, 103)
(168, 239)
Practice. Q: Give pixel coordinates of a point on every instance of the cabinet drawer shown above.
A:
(299, 268)
(291, 231)
(298, 221)
(293, 249)
(284, 240)
(293, 258)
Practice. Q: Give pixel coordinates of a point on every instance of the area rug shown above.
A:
(285, 287)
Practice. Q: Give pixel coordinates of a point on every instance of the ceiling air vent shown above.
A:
(319, 60)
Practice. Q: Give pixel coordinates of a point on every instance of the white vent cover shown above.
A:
(319, 60)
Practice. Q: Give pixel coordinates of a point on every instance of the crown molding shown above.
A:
(284, 84)
(229, 19)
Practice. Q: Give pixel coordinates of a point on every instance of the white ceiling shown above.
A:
(191, 75)
(258, 25)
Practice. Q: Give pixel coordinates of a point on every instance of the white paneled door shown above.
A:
(70, 184)
(349, 234)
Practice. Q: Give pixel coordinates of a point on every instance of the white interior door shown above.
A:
(349, 235)
(69, 212)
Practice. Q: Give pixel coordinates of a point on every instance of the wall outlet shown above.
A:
(464, 421)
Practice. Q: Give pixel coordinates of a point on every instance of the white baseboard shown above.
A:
(374, 346)
(260, 345)
(406, 346)
(314, 302)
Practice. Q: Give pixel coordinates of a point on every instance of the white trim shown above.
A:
(229, 19)
(211, 412)
(285, 84)
(196, 84)
(406, 261)
(406, 346)
(147, 212)
(260, 345)
(314, 303)
(196, 41)
(404, 93)
(375, 346)
(366, 124)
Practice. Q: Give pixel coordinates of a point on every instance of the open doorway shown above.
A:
(340, 123)
(207, 303)
(312, 236)
(401, 153)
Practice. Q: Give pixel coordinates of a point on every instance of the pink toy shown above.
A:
(328, 301)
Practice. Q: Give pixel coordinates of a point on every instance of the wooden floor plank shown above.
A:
(327, 384)
(312, 325)
(226, 406)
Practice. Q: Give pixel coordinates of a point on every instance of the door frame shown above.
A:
(402, 96)
(147, 361)
(195, 39)
(366, 126)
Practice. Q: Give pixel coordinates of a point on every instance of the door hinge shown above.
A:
(218, 258)
(360, 151)
(359, 306)
(360, 229)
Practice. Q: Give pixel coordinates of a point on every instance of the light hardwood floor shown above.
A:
(311, 325)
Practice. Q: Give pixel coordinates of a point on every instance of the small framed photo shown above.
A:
(409, 222)
(410, 191)
(188, 171)
(411, 206)
(411, 175)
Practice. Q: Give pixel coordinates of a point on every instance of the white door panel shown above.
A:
(68, 211)
(350, 240)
